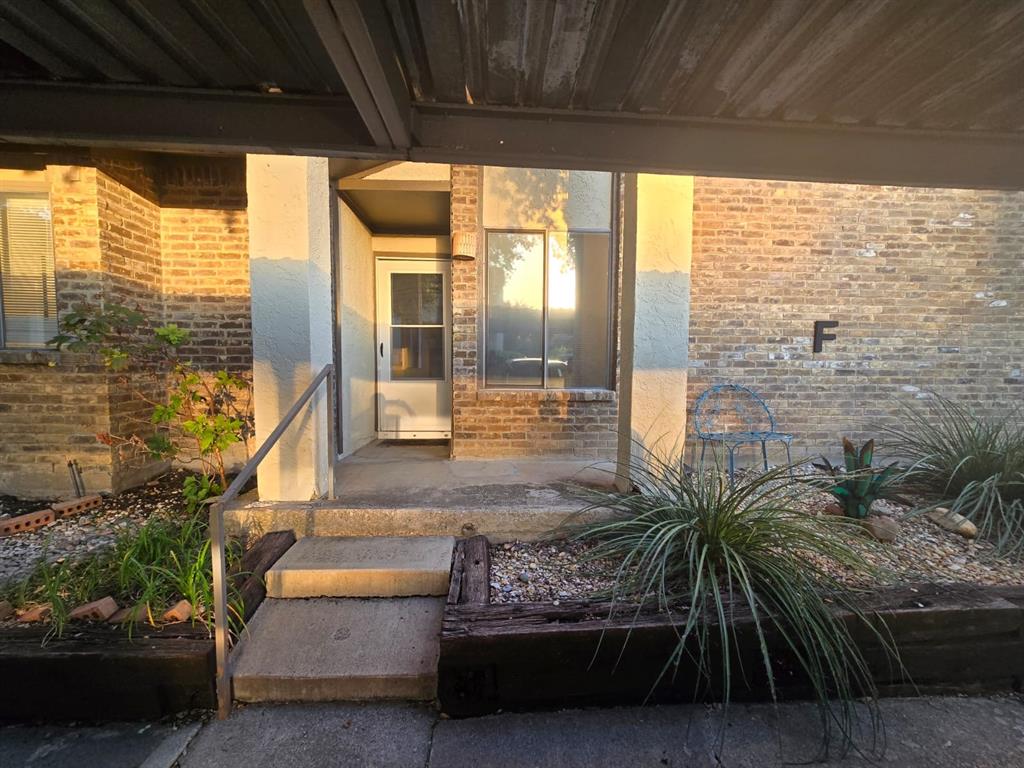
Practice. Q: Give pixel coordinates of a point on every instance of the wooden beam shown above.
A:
(549, 138)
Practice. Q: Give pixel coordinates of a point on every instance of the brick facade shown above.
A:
(927, 286)
(492, 422)
(135, 230)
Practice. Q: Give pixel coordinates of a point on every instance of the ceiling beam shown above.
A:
(182, 119)
(394, 185)
(360, 48)
(547, 138)
(179, 119)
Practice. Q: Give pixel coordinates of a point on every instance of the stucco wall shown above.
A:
(292, 319)
(357, 378)
(655, 314)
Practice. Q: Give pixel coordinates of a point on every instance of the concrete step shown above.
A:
(525, 518)
(331, 649)
(347, 566)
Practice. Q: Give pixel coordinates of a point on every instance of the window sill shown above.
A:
(533, 395)
(29, 357)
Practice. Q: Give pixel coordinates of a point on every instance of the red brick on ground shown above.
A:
(180, 611)
(29, 522)
(97, 610)
(76, 506)
(35, 613)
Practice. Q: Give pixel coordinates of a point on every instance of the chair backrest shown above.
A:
(727, 408)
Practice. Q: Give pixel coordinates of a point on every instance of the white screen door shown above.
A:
(414, 393)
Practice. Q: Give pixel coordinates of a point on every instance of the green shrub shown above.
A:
(693, 546)
(972, 464)
(860, 485)
(148, 570)
(197, 415)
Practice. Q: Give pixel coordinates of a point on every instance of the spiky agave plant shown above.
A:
(971, 463)
(694, 546)
(861, 485)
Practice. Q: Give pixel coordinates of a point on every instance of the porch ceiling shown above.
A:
(884, 91)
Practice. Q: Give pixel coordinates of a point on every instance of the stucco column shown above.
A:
(657, 244)
(290, 274)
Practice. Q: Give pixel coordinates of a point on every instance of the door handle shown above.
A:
(382, 349)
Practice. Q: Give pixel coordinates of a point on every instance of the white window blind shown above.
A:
(28, 296)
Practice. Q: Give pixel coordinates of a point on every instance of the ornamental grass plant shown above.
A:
(147, 570)
(691, 545)
(970, 463)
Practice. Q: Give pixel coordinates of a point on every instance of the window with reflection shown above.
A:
(549, 301)
(550, 286)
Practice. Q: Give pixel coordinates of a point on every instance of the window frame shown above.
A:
(15, 187)
(612, 300)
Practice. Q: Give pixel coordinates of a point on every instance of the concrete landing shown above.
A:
(333, 649)
(382, 566)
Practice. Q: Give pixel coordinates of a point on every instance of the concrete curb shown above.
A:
(172, 748)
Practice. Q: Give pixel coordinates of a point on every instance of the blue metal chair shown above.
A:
(735, 415)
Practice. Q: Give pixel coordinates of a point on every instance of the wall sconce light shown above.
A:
(464, 246)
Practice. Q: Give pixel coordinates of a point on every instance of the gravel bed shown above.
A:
(523, 572)
(89, 532)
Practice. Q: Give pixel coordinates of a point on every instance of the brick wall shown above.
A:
(927, 286)
(168, 235)
(510, 422)
(50, 413)
(205, 246)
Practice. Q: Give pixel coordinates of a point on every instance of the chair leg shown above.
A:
(732, 466)
(789, 459)
(703, 448)
(764, 453)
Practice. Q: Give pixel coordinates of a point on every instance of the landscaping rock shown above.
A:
(35, 613)
(884, 529)
(97, 610)
(834, 510)
(6, 610)
(180, 611)
(85, 533)
(953, 521)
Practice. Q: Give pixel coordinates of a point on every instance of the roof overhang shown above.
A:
(881, 92)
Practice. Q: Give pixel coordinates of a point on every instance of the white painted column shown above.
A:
(657, 246)
(290, 275)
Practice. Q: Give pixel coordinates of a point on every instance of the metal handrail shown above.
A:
(220, 577)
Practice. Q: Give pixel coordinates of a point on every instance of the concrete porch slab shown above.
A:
(413, 489)
(381, 566)
(332, 649)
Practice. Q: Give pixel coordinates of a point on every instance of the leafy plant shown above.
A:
(861, 485)
(196, 416)
(197, 489)
(971, 463)
(694, 546)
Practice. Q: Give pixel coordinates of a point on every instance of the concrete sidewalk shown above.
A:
(112, 745)
(953, 732)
